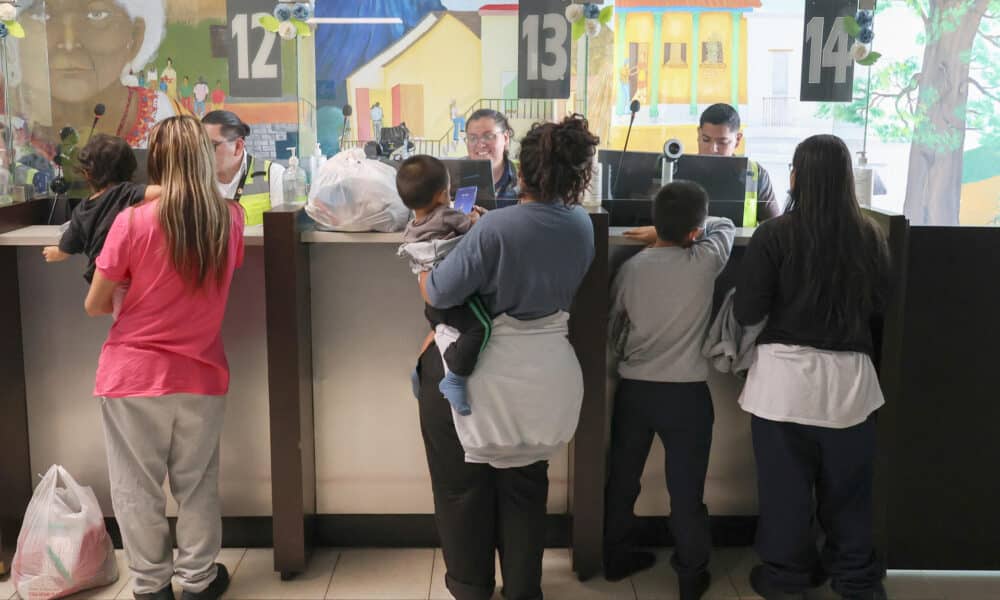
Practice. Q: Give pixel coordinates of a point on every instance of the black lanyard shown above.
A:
(243, 178)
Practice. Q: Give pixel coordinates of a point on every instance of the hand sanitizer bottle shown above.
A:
(293, 182)
(316, 161)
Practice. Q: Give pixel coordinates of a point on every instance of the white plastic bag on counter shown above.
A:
(63, 547)
(355, 193)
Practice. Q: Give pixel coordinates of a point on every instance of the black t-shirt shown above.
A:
(92, 219)
(770, 286)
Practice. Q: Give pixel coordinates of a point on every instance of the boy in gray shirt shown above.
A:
(461, 332)
(661, 306)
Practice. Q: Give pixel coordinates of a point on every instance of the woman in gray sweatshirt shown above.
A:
(489, 470)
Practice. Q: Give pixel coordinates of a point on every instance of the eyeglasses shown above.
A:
(216, 144)
(487, 138)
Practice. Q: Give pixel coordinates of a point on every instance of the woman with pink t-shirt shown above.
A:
(162, 376)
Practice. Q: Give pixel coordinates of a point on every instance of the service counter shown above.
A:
(322, 443)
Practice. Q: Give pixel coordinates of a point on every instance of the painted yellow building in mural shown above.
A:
(674, 57)
(415, 79)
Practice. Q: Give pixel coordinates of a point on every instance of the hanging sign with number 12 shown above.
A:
(827, 65)
(543, 50)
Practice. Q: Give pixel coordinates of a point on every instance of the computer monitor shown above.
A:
(629, 202)
(639, 178)
(465, 173)
(142, 168)
(723, 177)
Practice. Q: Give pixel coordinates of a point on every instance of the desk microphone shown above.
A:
(99, 110)
(348, 111)
(634, 107)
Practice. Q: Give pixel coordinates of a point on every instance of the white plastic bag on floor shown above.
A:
(63, 547)
(354, 193)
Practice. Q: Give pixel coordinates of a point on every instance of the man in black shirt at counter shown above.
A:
(719, 135)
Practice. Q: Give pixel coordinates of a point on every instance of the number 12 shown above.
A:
(260, 69)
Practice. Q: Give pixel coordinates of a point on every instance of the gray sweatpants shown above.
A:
(148, 439)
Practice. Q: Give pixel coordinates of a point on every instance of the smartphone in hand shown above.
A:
(465, 198)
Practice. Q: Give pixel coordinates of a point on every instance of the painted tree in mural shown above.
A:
(928, 103)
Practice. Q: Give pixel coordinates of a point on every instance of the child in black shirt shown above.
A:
(108, 164)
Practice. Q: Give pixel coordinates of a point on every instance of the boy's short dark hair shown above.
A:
(106, 160)
(419, 179)
(721, 114)
(678, 209)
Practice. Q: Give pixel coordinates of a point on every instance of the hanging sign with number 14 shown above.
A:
(827, 65)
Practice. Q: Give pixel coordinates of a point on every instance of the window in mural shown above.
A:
(675, 54)
(711, 53)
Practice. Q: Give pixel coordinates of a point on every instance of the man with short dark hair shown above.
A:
(254, 183)
(719, 135)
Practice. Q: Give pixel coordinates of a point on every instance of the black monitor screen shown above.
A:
(141, 160)
(466, 173)
(639, 178)
(723, 177)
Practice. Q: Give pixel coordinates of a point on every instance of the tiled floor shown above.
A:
(418, 574)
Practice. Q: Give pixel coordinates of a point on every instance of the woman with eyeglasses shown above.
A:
(819, 274)
(487, 137)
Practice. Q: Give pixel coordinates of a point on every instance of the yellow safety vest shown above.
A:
(255, 193)
(750, 202)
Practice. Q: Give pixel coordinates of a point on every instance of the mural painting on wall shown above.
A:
(441, 62)
(933, 104)
(941, 98)
(934, 119)
(143, 61)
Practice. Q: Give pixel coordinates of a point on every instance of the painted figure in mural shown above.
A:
(187, 94)
(218, 96)
(376, 115)
(131, 80)
(152, 76)
(92, 48)
(170, 77)
(487, 137)
(201, 93)
(457, 122)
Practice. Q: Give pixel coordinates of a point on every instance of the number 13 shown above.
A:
(554, 46)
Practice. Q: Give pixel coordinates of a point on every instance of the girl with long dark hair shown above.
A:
(819, 275)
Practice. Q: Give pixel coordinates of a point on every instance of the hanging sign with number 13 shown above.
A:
(827, 65)
(544, 49)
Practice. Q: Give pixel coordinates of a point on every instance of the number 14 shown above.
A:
(836, 51)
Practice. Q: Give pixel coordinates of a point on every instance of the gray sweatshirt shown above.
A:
(661, 303)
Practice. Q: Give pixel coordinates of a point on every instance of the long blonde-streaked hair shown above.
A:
(193, 214)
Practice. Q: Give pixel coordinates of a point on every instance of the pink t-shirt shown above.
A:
(167, 338)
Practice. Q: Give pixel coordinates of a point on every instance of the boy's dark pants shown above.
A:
(461, 357)
(682, 415)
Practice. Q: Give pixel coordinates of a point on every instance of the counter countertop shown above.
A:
(48, 235)
(617, 237)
